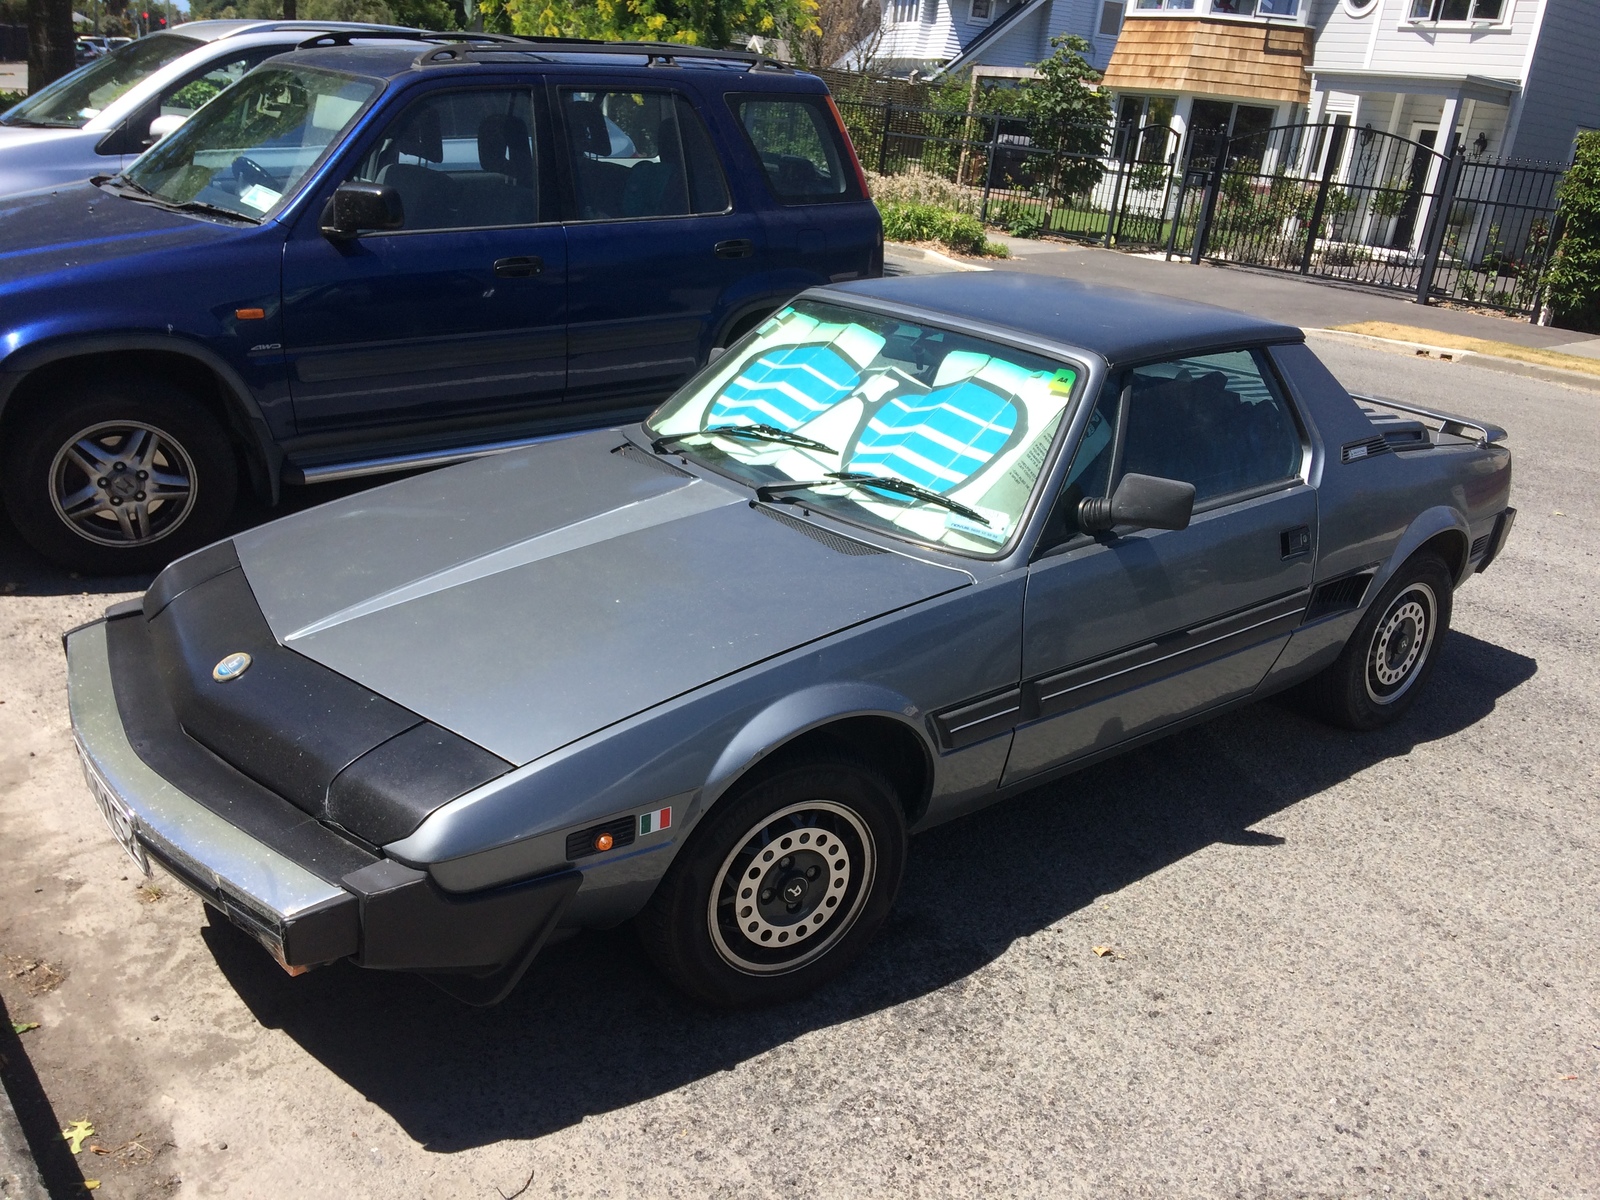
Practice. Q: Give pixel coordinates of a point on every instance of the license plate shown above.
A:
(117, 814)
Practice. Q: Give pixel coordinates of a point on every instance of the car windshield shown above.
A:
(247, 149)
(957, 427)
(74, 100)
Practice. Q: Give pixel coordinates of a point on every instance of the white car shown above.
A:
(101, 117)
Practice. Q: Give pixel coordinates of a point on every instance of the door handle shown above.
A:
(518, 268)
(1296, 541)
(736, 248)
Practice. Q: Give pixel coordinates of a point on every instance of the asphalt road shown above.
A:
(1343, 965)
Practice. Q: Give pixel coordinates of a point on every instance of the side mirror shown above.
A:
(1142, 501)
(162, 126)
(355, 207)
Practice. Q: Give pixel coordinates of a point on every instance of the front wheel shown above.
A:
(1390, 656)
(121, 476)
(781, 887)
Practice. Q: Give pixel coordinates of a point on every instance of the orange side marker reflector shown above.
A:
(603, 841)
(250, 314)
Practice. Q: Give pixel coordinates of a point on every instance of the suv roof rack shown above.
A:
(464, 45)
(344, 37)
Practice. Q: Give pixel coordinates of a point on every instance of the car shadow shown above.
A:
(594, 1028)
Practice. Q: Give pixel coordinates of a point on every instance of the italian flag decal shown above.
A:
(655, 822)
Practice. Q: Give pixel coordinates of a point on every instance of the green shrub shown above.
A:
(1574, 277)
(1026, 223)
(958, 231)
(7, 99)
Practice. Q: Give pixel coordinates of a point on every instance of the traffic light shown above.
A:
(163, 22)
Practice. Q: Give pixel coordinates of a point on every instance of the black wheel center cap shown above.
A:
(795, 890)
(123, 486)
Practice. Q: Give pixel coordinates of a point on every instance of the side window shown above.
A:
(461, 160)
(184, 98)
(640, 154)
(797, 140)
(1217, 421)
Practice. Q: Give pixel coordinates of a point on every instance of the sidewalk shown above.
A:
(1309, 303)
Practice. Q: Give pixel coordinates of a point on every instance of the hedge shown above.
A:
(958, 231)
(1573, 281)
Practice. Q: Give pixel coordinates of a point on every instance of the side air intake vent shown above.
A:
(1367, 448)
(1338, 595)
(633, 454)
(832, 541)
(1479, 545)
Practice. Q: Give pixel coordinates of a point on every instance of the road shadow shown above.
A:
(593, 1028)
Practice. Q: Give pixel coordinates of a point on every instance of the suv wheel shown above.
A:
(123, 477)
(781, 887)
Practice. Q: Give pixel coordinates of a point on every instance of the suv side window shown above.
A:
(182, 99)
(640, 154)
(797, 140)
(1218, 421)
(461, 160)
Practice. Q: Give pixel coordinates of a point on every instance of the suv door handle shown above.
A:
(736, 248)
(518, 268)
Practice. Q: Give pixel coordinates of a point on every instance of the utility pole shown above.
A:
(50, 41)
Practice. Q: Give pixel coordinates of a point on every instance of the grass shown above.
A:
(1451, 341)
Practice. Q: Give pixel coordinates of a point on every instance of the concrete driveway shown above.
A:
(1341, 965)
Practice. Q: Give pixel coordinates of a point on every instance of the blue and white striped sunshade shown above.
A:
(939, 439)
(786, 387)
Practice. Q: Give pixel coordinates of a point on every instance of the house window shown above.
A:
(1256, 8)
(1111, 18)
(1175, 5)
(1456, 10)
(982, 11)
(907, 12)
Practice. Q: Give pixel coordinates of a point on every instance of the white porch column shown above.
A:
(1448, 122)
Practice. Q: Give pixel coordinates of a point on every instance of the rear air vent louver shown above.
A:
(1409, 438)
(633, 454)
(1338, 595)
(1367, 448)
(832, 541)
(1479, 545)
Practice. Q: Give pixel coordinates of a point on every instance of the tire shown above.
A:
(72, 477)
(807, 915)
(1390, 656)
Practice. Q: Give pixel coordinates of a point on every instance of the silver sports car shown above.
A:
(909, 547)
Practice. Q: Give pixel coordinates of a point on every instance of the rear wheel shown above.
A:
(781, 887)
(125, 476)
(1389, 658)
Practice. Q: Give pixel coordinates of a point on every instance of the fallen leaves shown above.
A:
(1102, 951)
(20, 1027)
(149, 893)
(75, 1134)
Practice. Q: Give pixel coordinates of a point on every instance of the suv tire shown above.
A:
(782, 885)
(122, 476)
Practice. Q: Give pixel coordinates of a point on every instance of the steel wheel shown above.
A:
(792, 886)
(122, 483)
(1401, 643)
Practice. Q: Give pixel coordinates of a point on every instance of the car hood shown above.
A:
(79, 225)
(528, 599)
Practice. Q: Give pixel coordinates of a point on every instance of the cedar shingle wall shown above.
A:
(1217, 58)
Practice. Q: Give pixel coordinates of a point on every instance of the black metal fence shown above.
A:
(1115, 189)
(1358, 205)
(1375, 209)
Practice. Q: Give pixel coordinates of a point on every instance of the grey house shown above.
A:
(992, 38)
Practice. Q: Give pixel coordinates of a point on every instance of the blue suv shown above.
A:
(374, 254)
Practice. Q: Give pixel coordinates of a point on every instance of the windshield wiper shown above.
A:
(900, 487)
(760, 433)
(121, 185)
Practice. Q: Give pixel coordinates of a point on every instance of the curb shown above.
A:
(1489, 362)
(919, 254)
(19, 1176)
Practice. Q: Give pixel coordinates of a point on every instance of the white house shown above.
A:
(994, 38)
(1513, 79)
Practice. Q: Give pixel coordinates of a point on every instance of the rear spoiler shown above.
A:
(1478, 431)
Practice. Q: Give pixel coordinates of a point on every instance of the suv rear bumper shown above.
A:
(277, 879)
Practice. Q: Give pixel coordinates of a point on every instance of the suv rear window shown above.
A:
(798, 143)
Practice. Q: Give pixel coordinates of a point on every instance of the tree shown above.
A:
(713, 23)
(50, 41)
(1573, 281)
(846, 34)
(1069, 114)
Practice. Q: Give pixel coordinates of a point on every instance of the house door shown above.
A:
(1405, 227)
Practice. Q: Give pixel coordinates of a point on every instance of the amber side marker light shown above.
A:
(250, 314)
(603, 841)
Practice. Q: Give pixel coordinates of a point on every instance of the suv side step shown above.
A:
(296, 473)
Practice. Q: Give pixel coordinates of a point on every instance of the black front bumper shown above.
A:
(309, 893)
